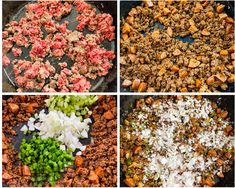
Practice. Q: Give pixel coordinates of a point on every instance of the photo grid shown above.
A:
(134, 93)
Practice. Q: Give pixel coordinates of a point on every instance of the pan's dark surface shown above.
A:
(126, 6)
(14, 10)
(224, 102)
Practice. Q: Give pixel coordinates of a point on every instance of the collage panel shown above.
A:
(59, 140)
(183, 141)
(59, 46)
(155, 116)
(177, 46)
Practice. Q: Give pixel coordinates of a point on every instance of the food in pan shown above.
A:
(56, 153)
(182, 141)
(177, 46)
(45, 33)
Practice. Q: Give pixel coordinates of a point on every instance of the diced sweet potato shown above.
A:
(125, 36)
(223, 114)
(3, 137)
(212, 153)
(99, 172)
(210, 14)
(169, 31)
(135, 84)
(205, 32)
(191, 21)
(183, 2)
(177, 52)
(123, 60)
(161, 20)
(182, 73)
(184, 89)
(205, 3)
(210, 80)
(221, 77)
(161, 71)
(231, 49)
(93, 177)
(228, 155)
(4, 146)
(6, 176)
(162, 55)
(193, 29)
(126, 28)
(108, 115)
(141, 60)
(169, 2)
(142, 87)
(155, 34)
(132, 57)
(233, 56)
(130, 182)
(22, 98)
(219, 162)
(78, 161)
(161, 4)
(220, 8)
(198, 83)
(231, 78)
(166, 11)
(228, 129)
(5, 158)
(174, 68)
(26, 171)
(148, 3)
(150, 90)
(173, 10)
(137, 149)
(223, 15)
(138, 104)
(130, 19)
(229, 28)
(126, 83)
(220, 174)
(208, 181)
(115, 148)
(30, 108)
(198, 8)
(229, 20)
(13, 107)
(132, 49)
(230, 68)
(193, 63)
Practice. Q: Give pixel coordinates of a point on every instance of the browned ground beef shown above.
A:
(158, 61)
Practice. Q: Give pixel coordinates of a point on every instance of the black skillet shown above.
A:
(126, 6)
(14, 10)
(16, 140)
(225, 102)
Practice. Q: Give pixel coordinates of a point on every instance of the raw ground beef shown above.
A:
(5, 61)
(16, 52)
(90, 59)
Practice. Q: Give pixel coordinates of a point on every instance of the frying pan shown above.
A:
(14, 10)
(225, 102)
(126, 6)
